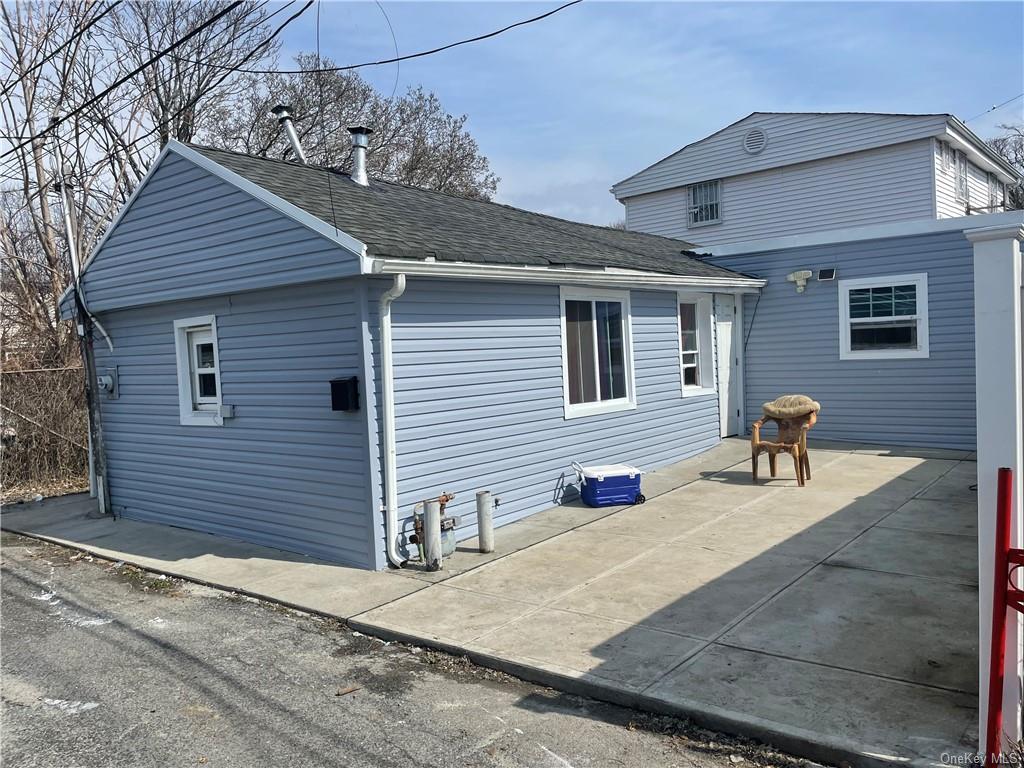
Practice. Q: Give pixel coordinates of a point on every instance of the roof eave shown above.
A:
(627, 278)
(980, 152)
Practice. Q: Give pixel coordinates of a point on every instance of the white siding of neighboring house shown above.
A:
(946, 204)
(792, 138)
(876, 186)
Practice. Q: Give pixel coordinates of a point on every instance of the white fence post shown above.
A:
(998, 375)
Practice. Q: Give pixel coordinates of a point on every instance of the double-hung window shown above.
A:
(883, 317)
(695, 360)
(960, 178)
(946, 150)
(199, 393)
(705, 205)
(995, 193)
(597, 352)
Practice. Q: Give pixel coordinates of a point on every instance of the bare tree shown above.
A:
(415, 140)
(54, 59)
(1010, 146)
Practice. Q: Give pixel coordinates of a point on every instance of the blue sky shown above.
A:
(567, 106)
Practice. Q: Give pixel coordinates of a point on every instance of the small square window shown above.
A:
(705, 205)
(199, 392)
(884, 317)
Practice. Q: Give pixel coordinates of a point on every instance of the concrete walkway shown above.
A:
(838, 621)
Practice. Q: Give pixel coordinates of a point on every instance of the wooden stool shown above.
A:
(793, 415)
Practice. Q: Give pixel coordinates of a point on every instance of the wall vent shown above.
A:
(754, 142)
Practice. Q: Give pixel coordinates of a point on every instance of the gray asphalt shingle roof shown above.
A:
(398, 221)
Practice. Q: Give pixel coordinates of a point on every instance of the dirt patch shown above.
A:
(29, 492)
(734, 749)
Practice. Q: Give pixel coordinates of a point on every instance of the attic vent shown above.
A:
(754, 141)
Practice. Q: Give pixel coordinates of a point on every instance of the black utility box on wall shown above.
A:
(345, 394)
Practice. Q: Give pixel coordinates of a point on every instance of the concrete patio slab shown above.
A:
(943, 556)
(822, 711)
(685, 589)
(551, 568)
(450, 616)
(753, 532)
(629, 654)
(935, 516)
(900, 627)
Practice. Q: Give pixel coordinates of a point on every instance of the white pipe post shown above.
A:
(485, 521)
(432, 534)
(1000, 429)
(387, 386)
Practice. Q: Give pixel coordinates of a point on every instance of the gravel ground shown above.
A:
(106, 665)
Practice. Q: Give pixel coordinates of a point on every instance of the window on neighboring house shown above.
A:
(995, 192)
(705, 203)
(199, 394)
(695, 343)
(947, 155)
(597, 365)
(884, 317)
(960, 178)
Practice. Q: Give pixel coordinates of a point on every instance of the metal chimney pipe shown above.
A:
(284, 119)
(360, 141)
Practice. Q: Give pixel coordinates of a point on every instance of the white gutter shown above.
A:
(387, 387)
(557, 275)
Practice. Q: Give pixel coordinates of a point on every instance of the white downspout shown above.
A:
(388, 408)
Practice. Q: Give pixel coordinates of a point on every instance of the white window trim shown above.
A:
(689, 207)
(187, 414)
(705, 338)
(627, 403)
(920, 281)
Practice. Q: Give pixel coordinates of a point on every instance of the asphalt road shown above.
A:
(104, 665)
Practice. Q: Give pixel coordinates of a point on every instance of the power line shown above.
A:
(993, 109)
(256, 49)
(395, 59)
(63, 45)
(121, 81)
(398, 63)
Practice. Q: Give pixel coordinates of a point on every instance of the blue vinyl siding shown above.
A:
(190, 234)
(793, 343)
(479, 398)
(286, 471)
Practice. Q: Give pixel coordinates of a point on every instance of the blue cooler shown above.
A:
(609, 485)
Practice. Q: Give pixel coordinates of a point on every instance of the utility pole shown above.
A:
(85, 326)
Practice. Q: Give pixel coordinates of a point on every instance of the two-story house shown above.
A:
(772, 174)
(862, 226)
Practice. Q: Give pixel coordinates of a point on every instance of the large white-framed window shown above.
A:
(883, 317)
(597, 352)
(705, 203)
(696, 361)
(961, 187)
(199, 391)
